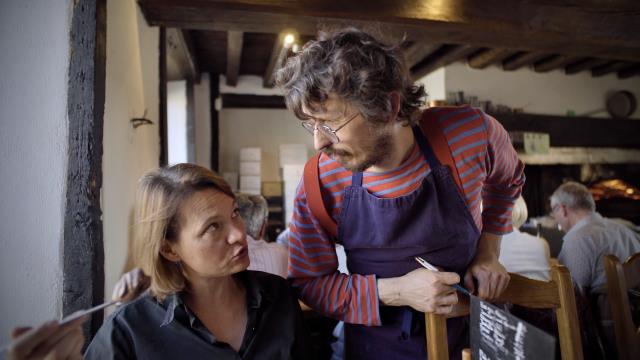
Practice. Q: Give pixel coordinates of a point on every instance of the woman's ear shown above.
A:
(166, 250)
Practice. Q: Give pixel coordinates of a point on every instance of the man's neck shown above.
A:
(402, 146)
(576, 216)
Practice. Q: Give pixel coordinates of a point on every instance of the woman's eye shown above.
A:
(235, 213)
(213, 227)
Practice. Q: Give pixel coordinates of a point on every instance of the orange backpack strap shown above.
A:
(433, 131)
(311, 179)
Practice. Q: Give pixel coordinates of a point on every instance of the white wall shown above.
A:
(202, 105)
(434, 85)
(551, 93)
(33, 159)
(265, 128)
(131, 87)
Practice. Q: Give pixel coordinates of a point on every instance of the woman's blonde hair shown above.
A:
(519, 213)
(159, 196)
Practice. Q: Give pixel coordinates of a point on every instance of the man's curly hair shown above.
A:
(358, 69)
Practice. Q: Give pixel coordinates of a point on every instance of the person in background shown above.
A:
(49, 340)
(522, 253)
(589, 236)
(202, 302)
(265, 256)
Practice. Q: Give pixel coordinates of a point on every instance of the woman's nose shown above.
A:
(237, 233)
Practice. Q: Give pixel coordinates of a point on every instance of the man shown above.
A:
(392, 197)
(589, 237)
(267, 257)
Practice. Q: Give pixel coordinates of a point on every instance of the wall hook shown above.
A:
(135, 122)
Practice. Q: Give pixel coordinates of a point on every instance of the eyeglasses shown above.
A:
(312, 125)
(554, 208)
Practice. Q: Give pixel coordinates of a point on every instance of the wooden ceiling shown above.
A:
(244, 37)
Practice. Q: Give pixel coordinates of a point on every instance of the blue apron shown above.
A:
(382, 237)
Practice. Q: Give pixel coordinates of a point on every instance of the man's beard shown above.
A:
(375, 152)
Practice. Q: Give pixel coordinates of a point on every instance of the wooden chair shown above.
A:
(557, 294)
(620, 278)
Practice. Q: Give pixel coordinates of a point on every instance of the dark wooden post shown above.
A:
(164, 140)
(215, 122)
(83, 249)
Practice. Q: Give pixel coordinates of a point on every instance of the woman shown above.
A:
(202, 302)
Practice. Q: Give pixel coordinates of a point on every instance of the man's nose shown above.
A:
(320, 140)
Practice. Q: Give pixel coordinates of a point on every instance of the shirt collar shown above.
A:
(256, 295)
(591, 218)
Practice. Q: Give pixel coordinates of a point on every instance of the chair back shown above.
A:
(620, 278)
(556, 294)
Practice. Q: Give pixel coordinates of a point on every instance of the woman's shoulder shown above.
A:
(267, 283)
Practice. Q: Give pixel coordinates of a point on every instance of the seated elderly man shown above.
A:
(265, 256)
(589, 237)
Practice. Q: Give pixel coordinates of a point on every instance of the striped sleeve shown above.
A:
(313, 268)
(504, 181)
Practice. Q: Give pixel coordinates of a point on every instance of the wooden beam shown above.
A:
(592, 28)
(242, 101)
(234, 54)
(443, 56)
(162, 101)
(583, 64)
(214, 92)
(521, 59)
(418, 51)
(181, 58)
(83, 248)
(608, 68)
(278, 54)
(630, 71)
(552, 62)
(482, 59)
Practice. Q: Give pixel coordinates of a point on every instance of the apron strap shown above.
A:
(433, 131)
(311, 179)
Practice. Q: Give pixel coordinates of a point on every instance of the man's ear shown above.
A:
(394, 97)
(166, 250)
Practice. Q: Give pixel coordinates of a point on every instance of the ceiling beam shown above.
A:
(417, 52)
(630, 71)
(583, 64)
(443, 56)
(552, 62)
(482, 59)
(234, 55)
(521, 59)
(182, 62)
(612, 66)
(589, 28)
(278, 55)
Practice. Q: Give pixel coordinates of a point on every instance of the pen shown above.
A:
(428, 266)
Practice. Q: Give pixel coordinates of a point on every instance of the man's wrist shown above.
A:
(389, 291)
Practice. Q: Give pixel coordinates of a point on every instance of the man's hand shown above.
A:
(491, 276)
(421, 289)
(48, 341)
(131, 285)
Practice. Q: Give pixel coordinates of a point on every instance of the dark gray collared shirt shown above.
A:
(149, 329)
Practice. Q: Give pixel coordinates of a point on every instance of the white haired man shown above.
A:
(265, 256)
(589, 237)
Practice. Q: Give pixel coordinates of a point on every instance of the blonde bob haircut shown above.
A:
(159, 196)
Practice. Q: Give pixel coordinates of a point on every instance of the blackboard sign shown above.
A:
(496, 334)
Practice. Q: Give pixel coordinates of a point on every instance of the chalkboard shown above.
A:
(496, 334)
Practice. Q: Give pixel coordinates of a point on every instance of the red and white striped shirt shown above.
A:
(489, 170)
